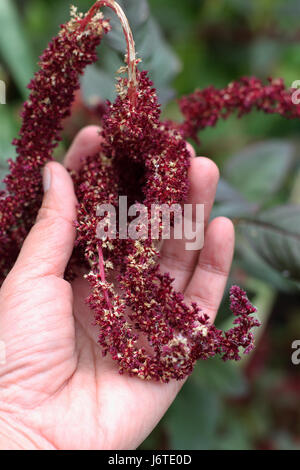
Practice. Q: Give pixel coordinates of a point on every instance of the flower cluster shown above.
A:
(49, 103)
(204, 108)
(144, 324)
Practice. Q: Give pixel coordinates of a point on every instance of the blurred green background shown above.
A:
(187, 45)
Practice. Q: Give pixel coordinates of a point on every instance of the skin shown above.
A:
(56, 390)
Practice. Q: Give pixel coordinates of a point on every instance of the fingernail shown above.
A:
(46, 179)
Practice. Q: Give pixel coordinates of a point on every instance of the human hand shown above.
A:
(56, 389)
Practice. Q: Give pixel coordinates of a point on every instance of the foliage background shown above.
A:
(187, 45)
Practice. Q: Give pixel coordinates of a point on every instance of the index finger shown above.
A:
(87, 143)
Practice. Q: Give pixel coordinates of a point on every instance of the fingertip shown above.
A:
(207, 166)
(214, 263)
(88, 133)
(191, 150)
(225, 224)
(59, 190)
(87, 142)
(204, 177)
(220, 240)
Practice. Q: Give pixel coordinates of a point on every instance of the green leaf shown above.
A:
(254, 265)
(226, 192)
(230, 202)
(157, 56)
(14, 46)
(137, 13)
(97, 83)
(275, 236)
(263, 54)
(3, 173)
(260, 170)
(199, 408)
(235, 436)
(9, 129)
(232, 209)
(225, 378)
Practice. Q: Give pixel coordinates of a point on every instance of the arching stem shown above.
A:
(131, 56)
(102, 276)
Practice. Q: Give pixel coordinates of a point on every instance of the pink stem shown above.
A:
(102, 275)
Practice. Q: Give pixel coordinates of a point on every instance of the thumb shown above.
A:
(49, 245)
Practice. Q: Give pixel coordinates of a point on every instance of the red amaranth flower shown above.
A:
(52, 93)
(204, 108)
(144, 324)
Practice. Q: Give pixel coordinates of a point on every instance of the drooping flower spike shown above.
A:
(144, 324)
(204, 108)
(49, 103)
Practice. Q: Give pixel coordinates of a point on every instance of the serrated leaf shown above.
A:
(275, 236)
(259, 170)
(14, 46)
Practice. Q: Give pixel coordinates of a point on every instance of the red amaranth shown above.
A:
(144, 324)
(52, 93)
(204, 108)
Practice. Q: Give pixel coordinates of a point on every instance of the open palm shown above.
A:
(56, 389)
